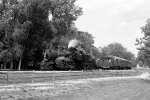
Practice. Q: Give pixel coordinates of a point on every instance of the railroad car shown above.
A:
(113, 62)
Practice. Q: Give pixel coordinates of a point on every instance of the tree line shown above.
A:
(29, 27)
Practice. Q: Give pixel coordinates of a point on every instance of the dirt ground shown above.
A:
(127, 88)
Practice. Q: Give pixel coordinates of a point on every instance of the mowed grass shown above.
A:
(15, 77)
(131, 89)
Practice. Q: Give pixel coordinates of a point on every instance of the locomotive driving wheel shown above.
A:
(70, 65)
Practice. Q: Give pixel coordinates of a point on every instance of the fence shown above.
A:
(44, 76)
(4, 76)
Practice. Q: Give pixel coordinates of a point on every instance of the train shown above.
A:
(110, 62)
(77, 59)
(67, 59)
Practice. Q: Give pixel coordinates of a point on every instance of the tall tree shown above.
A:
(64, 14)
(13, 30)
(144, 44)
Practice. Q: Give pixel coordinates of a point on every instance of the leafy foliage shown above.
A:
(25, 28)
(116, 49)
(86, 39)
(144, 44)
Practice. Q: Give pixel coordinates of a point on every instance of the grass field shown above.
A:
(131, 89)
(71, 85)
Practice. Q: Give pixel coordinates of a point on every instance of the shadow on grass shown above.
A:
(145, 81)
(32, 98)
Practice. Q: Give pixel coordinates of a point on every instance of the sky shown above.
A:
(114, 21)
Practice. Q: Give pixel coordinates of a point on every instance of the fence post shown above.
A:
(54, 77)
(7, 77)
(114, 74)
(69, 75)
(82, 75)
(33, 76)
(107, 74)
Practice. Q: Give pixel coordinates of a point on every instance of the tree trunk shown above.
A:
(4, 66)
(4, 3)
(19, 66)
(11, 65)
(1, 66)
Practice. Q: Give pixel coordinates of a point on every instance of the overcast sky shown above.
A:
(114, 20)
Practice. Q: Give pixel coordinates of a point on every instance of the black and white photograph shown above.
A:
(74, 50)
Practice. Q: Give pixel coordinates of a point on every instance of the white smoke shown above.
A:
(73, 43)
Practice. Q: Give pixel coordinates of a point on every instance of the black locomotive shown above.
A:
(67, 59)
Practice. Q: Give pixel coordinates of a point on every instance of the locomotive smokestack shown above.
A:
(73, 43)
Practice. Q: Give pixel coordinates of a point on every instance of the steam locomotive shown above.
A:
(67, 59)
